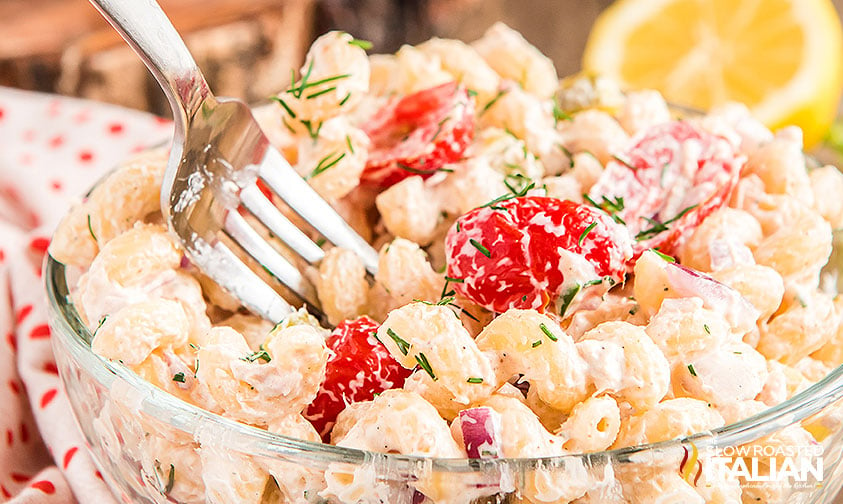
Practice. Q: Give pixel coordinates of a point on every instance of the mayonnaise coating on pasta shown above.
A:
(690, 300)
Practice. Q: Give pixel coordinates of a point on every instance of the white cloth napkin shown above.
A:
(52, 149)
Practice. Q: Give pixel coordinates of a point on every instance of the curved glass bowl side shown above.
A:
(150, 445)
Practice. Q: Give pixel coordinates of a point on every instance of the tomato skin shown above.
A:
(532, 243)
(419, 134)
(360, 368)
(675, 173)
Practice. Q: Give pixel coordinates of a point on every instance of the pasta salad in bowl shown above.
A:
(581, 297)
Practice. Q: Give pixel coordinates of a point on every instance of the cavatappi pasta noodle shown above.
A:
(564, 268)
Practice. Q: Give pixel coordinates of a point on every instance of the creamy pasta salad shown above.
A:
(564, 268)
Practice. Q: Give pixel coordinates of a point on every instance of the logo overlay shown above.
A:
(754, 465)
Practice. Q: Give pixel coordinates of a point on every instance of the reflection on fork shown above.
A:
(219, 154)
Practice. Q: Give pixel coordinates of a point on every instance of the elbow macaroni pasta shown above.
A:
(740, 324)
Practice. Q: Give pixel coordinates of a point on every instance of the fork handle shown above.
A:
(153, 37)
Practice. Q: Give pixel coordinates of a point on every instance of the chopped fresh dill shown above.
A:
(326, 163)
(91, 229)
(657, 227)
(425, 365)
(314, 133)
(624, 162)
(567, 297)
(585, 233)
(492, 102)
(259, 354)
(403, 346)
(284, 105)
(548, 332)
(664, 256)
(559, 114)
(362, 44)
(479, 246)
(422, 171)
(321, 92)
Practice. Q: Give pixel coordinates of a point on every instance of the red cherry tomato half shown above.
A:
(419, 134)
(672, 178)
(360, 368)
(521, 252)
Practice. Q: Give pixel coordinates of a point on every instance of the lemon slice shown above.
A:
(783, 58)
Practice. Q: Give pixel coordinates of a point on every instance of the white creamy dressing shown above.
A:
(605, 365)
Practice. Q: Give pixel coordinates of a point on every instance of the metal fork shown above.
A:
(219, 153)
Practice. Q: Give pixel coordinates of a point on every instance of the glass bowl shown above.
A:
(153, 447)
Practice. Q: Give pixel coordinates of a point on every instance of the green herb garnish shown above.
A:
(585, 233)
(362, 44)
(321, 92)
(663, 255)
(403, 346)
(260, 354)
(657, 227)
(326, 163)
(475, 380)
(314, 133)
(178, 377)
(479, 246)
(567, 297)
(692, 370)
(493, 101)
(559, 114)
(284, 105)
(424, 364)
(547, 332)
(91, 229)
(419, 171)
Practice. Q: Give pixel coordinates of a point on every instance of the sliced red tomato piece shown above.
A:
(360, 368)
(523, 252)
(419, 134)
(674, 176)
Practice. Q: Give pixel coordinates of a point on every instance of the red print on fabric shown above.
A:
(40, 244)
(41, 331)
(45, 486)
(48, 397)
(23, 313)
(68, 456)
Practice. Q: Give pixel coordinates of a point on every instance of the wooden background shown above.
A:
(247, 47)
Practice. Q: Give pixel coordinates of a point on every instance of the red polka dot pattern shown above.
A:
(52, 149)
(48, 397)
(23, 313)
(41, 331)
(39, 244)
(68, 456)
(45, 486)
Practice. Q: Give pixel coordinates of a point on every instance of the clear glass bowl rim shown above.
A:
(73, 336)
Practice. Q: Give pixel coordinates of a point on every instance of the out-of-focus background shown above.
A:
(247, 48)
